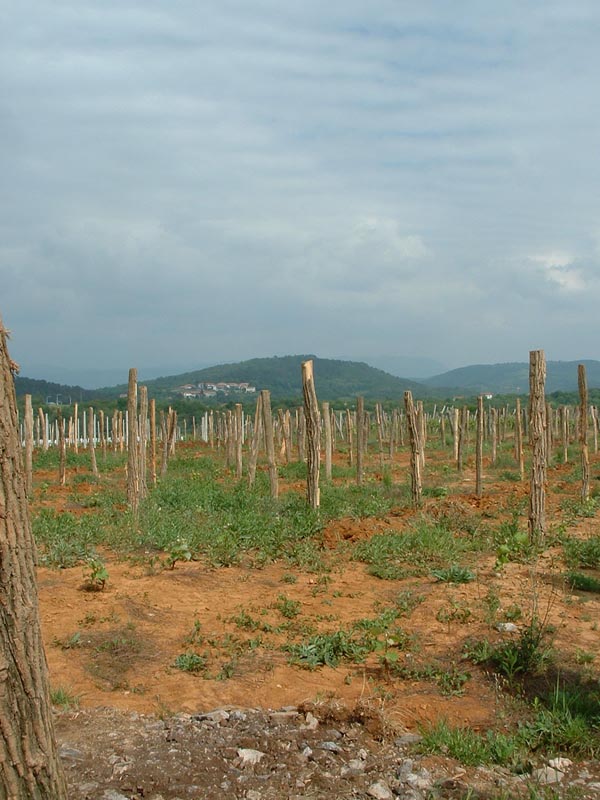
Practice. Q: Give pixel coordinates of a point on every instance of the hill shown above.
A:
(513, 377)
(334, 379)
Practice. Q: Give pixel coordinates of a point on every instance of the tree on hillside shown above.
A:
(29, 765)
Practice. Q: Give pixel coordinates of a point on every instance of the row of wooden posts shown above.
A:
(315, 430)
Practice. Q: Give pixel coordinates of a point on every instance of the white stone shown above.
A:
(249, 757)
(312, 723)
(507, 627)
(548, 775)
(380, 791)
(560, 763)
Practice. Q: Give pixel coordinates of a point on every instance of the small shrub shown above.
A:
(190, 662)
(454, 574)
(95, 574)
(582, 582)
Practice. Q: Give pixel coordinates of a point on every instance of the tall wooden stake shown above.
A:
(313, 435)
(537, 437)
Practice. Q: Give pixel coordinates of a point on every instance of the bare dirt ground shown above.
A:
(139, 727)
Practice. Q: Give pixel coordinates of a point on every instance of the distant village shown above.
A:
(194, 390)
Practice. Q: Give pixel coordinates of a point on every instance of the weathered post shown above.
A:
(255, 441)
(328, 440)
(519, 440)
(91, 445)
(30, 767)
(133, 496)
(537, 436)
(28, 430)
(313, 435)
(269, 441)
(479, 449)
(360, 439)
(583, 432)
(415, 443)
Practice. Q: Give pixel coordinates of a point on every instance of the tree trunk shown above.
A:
(255, 442)
(269, 441)
(583, 432)
(313, 435)
(133, 497)
(360, 439)
(29, 765)
(415, 444)
(537, 435)
(328, 440)
(91, 445)
(479, 449)
(28, 430)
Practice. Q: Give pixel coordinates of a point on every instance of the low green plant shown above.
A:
(582, 552)
(64, 698)
(469, 747)
(521, 655)
(287, 607)
(177, 551)
(190, 662)
(329, 649)
(582, 582)
(454, 574)
(95, 574)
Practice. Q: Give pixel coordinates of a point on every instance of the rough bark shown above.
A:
(152, 407)
(133, 497)
(583, 432)
(255, 442)
(313, 435)
(479, 449)
(29, 765)
(28, 431)
(269, 441)
(415, 443)
(360, 439)
(328, 440)
(91, 445)
(537, 437)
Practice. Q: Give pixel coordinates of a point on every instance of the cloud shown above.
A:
(265, 176)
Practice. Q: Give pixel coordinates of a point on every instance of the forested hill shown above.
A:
(42, 391)
(282, 376)
(513, 378)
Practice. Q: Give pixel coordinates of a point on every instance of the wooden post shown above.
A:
(44, 429)
(239, 437)
(479, 449)
(349, 437)
(328, 442)
(28, 432)
(143, 441)
(101, 424)
(313, 435)
(62, 450)
(133, 478)
(519, 440)
(379, 424)
(455, 434)
(152, 405)
(255, 442)
(360, 439)
(494, 432)
(76, 428)
(269, 441)
(549, 441)
(422, 428)
(90, 437)
(462, 437)
(415, 443)
(30, 767)
(537, 435)
(583, 432)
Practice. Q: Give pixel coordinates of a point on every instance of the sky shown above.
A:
(188, 183)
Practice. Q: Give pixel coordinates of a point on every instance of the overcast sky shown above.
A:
(190, 182)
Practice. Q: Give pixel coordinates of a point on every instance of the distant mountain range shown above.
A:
(335, 380)
(513, 378)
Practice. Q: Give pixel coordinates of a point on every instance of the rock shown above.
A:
(560, 763)
(111, 794)
(252, 794)
(356, 765)
(307, 752)
(218, 715)
(406, 739)
(249, 757)
(380, 791)
(312, 723)
(70, 753)
(507, 627)
(548, 775)
(332, 747)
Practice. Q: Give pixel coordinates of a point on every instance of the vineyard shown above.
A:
(192, 571)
